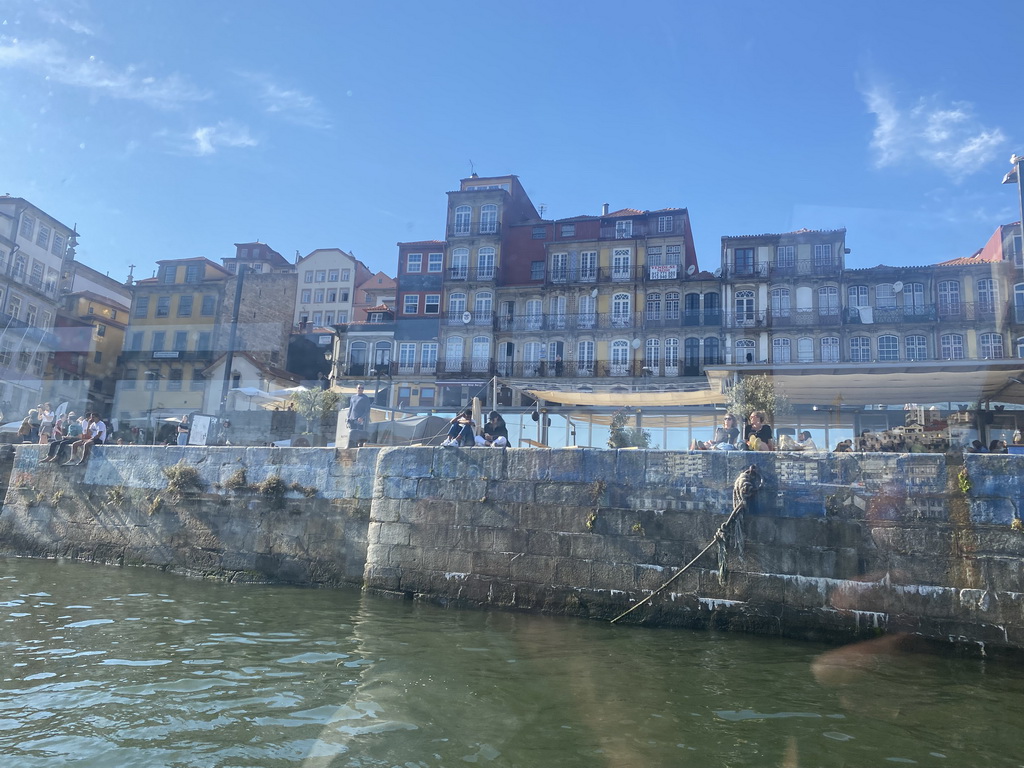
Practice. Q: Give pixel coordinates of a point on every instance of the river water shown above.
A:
(132, 667)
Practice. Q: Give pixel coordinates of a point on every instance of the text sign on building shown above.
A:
(168, 353)
(663, 271)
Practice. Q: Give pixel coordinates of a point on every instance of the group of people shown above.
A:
(995, 446)
(78, 434)
(757, 435)
(462, 431)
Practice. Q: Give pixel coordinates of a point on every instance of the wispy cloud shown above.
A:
(290, 104)
(208, 139)
(57, 18)
(949, 137)
(51, 60)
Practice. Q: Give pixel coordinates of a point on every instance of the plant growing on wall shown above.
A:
(757, 393)
(622, 436)
(313, 405)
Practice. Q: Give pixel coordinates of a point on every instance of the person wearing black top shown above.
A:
(758, 427)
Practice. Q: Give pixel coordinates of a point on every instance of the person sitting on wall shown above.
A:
(71, 431)
(96, 435)
(976, 446)
(997, 446)
(804, 441)
(725, 437)
(757, 434)
(461, 430)
(494, 432)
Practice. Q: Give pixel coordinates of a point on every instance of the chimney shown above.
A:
(604, 209)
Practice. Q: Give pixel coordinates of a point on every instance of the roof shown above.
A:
(421, 242)
(977, 258)
(803, 231)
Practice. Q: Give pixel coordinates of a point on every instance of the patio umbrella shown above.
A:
(289, 391)
(254, 393)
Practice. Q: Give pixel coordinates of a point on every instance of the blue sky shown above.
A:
(168, 130)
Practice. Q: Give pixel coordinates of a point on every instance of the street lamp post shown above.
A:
(152, 381)
(1014, 177)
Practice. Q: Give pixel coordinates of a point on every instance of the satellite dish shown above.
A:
(691, 269)
(635, 343)
(897, 286)
(593, 293)
(467, 318)
(718, 272)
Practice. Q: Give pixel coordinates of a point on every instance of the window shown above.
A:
(568, 230)
(482, 305)
(805, 349)
(167, 274)
(6, 352)
(57, 249)
(744, 308)
(652, 355)
(534, 315)
(318, 296)
(485, 264)
(991, 345)
(306, 297)
(654, 306)
(180, 341)
(781, 351)
(432, 303)
(672, 306)
(585, 358)
(860, 349)
(209, 306)
(135, 341)
(917, 347)
(621, 263)
(343, 316)
(332, 275)
(587, 312)
(163, 306)
(174, 380)
(559, 267)
(101, 330)
(780, 302)
(24, 358)
(885, 296)
(951, 346)
(344, 296)
(539, 233)
(460, 264)
(456, 305)
(185, 306)
(328, 318)
(428, 357)
(536, 270)
(203, 341)
(888, 347)
(345, 273)
(987, 294)
(823, 255)
(321, 275)
(830, 349)
(158, 340)
(481, 354)
(828, 301)
(588, 266)
(857, 296)
(131, 376)
(488, 219)
(671, 355)
(307, 276)
(743, 261)
(31, 313)
(674, 254)
(410, 304)
(332, 295)
(317, 318)
(46, 321)
(462, 214)
(654, 256)
(198, 382)
(785, 257)
(141, 306)
(28, 225)
(435, 262)
(621, 310)
(43, 236)
(623, 229)
(192, 273)
(453, 353)
(949, 297)
(664, 223)
(414, 262)
(913, 299)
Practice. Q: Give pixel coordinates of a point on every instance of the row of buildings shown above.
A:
(614, 300)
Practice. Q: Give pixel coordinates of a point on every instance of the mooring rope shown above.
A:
(746, 485)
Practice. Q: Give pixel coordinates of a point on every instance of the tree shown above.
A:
(314, 404)
(621, 436)
(757, 393)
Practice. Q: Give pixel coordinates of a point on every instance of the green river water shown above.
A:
(130, 667)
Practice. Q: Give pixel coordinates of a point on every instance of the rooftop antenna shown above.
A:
(541, 208)
(472, 169)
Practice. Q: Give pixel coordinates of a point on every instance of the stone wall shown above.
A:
(833, 546)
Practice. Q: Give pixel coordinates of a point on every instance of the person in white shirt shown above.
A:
(95, 434)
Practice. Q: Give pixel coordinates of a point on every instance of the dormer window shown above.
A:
(623, 229)
(376, 317)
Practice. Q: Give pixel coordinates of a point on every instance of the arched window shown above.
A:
(488, 219)
(781, 351)
(712, 351)
(917, 347)
(652, 356)
(456, 306)
(485, 263)
(453, 353)
(534, 314)
(462, 214)
(780, 302)
(805, 349)
(620, 358)
(460, 264)
(531, 358)
(830, 349)
(987, 295)
(860, 349)
(888, 347)
(621, 310)
(585, 358)
(671, 357)
(358, 356)
(556, 315)
(712, 309)
(587, 312)
(654, 306)
(691, 309)
(672, 305)
(745, 349)
(951, 346)
(482, 308)
(744, 308)
(885, 296)
(828, 300)
(949, 298)
(691, 356)
(913, 299)
(991, 345)
(481, 354)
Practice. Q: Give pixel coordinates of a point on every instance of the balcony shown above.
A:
(470, 274)
(807, 268)
(159, 355)
(571, 369)
(470, 319)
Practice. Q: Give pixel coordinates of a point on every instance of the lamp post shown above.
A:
(1014, 177)
(152, 382)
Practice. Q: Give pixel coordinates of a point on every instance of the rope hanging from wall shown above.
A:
(729, 532)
